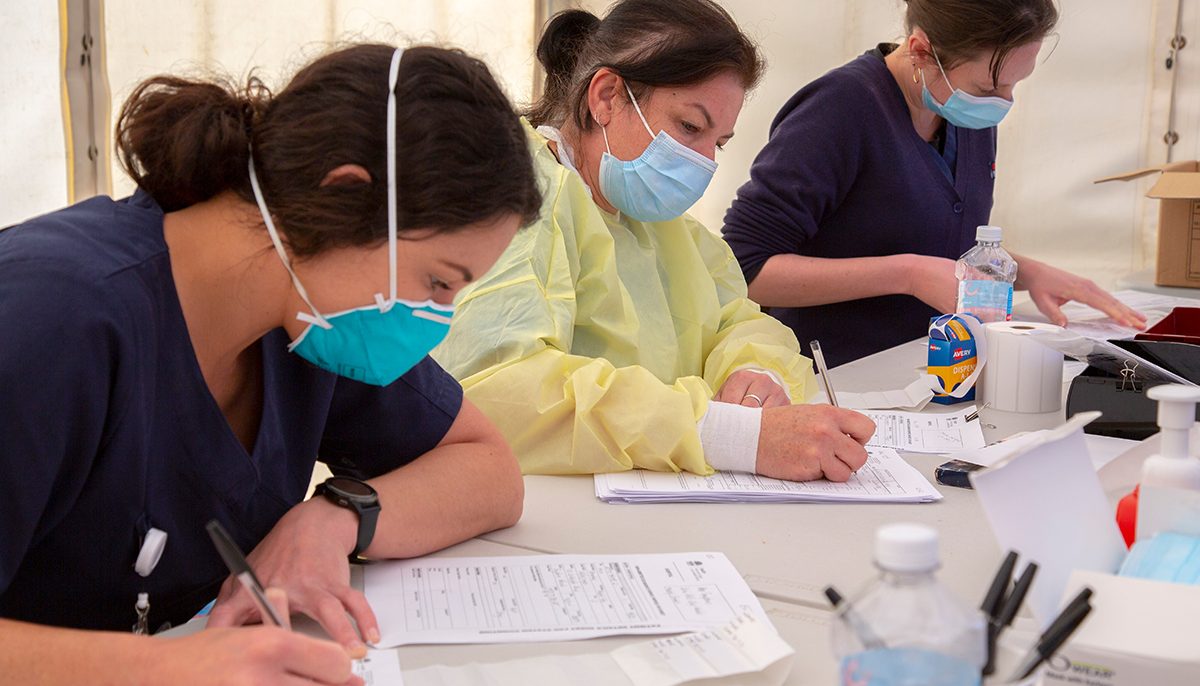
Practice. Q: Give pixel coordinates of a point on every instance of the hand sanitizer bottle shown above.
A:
(1170, 486)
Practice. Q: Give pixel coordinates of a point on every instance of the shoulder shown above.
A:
(861, 89)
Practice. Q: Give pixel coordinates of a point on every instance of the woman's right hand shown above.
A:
(807, 442)
(252, 656)
(931, 280)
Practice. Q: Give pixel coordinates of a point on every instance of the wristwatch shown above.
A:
(356, 495)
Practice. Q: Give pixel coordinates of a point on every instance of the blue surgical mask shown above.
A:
(378, 343)
(963, 109)
(662, 183)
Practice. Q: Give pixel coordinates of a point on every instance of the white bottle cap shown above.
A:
(991, 234)
(906, 548)
(152, 549)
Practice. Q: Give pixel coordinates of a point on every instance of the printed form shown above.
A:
(927, 433)
(886, 477)
(553, 597)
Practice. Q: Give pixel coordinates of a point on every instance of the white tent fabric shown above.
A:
(33, 161)
(276, 37)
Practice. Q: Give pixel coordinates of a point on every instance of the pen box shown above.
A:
(1139, 633)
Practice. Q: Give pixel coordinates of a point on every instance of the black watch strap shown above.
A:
(366, 506)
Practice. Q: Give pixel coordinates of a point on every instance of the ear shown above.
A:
(603, 91)
(919, 49)
(346, 175)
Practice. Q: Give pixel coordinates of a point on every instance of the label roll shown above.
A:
(1021, 375)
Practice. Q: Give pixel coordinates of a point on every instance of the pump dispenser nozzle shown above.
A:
(1176, 414)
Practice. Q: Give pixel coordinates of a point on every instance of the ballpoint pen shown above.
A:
(991, 605)
(1052, 639)
(865, 634)
(819, 358)
(240, 568)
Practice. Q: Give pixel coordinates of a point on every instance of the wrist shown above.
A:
(911, 268)
(336, 523)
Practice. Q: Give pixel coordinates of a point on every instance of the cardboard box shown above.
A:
(1178, 188)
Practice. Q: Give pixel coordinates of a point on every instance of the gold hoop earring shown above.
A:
(915, 79)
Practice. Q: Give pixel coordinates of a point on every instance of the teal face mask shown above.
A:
(374, 344)
(662, 183)
(963, 109)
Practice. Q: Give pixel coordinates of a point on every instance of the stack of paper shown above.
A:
(885, 478)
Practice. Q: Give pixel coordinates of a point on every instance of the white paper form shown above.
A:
(1092, 323)
(553, 597)
(746, 652)
(380, 668)
(886, 477)
(926, 433)
(914, 396)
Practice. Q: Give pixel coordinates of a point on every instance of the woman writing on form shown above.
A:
(267, 296)
(615, 333)
(877, 174)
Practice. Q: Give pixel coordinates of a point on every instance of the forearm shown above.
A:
(802, 281)
(34, 654)
(451, 494)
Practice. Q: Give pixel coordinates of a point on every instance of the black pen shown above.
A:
(1064, 615)
(1013, 603)
(240, 568)
(991, 605)
(861, 629)
(1052, 640)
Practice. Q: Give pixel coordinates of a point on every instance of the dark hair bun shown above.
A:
(562, 40)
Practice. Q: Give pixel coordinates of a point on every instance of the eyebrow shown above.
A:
(707, 117)
(466, 273)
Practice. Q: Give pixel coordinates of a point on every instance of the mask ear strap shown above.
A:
(638, 108)
(941, 69)
(392, 214)
(274, 234)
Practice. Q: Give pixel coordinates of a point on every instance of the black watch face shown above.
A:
(351, 487)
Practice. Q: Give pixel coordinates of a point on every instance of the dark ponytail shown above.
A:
(563, 39)
(182, 141)
(649, 43)
(461, 158)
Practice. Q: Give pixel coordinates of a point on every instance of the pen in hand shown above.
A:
(240, 568)
(819, 358)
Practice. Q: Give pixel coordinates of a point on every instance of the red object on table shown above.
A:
(1127, 516)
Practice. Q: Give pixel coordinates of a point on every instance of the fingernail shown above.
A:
(373, 636)
(356, 650)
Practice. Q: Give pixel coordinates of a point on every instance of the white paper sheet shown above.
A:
(554, 597)
(886, 477)
(1094, 324)
(926, 433)
(745, 652)
(914, 396)
(1046, 503)
(380, 668)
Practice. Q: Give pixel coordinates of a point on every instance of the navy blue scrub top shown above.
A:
(107, 427)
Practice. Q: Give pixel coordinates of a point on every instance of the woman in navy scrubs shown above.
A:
(265, 299)
(877, 175)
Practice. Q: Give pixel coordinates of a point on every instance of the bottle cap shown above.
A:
(1176, 405)
(906, 548)
(152, 549)
(991, 234)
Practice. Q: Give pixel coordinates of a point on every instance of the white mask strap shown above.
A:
(638, 108)
(274, 234)
(393, 77)
(941, 69)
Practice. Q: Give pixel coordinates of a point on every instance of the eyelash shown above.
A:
(692, 129)
(436, 284)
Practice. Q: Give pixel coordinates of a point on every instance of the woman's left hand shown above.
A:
(752, 389)
(306, 556)
(1051, 288)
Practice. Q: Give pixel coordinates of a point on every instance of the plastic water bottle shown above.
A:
(907, 629)
(986, 274)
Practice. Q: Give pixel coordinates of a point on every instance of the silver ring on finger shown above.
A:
(753, 397)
